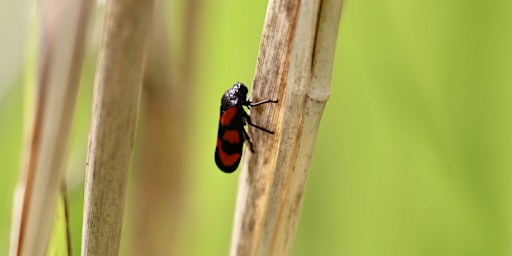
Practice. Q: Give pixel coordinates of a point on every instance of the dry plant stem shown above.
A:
(257, 173)
(115, 105)
(159, 200)
(273, 181)
(61, 50)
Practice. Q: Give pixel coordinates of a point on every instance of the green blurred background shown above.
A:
(413, 152)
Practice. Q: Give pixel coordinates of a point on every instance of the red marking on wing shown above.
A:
(231, 136)
(228, 116)
(225, 159)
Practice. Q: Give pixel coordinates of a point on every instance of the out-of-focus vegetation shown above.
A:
(413, 154)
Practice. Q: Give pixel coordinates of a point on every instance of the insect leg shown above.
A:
(248, 139)
(248, 118)
(259, 127)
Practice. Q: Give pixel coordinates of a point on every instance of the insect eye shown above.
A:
(243, 91)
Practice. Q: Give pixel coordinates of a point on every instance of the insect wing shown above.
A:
(229, 141)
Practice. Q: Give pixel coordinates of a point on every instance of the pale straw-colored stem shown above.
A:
(294, 66)
(115, 105)
(61, 49)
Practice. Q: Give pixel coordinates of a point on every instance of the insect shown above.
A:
(232, 134)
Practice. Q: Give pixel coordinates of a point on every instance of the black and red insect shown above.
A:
(232, 134)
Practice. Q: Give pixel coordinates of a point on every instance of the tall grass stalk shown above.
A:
(294, 66)
(60, 57)
(115, 105)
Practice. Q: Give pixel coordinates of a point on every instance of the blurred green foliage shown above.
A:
(413, 153)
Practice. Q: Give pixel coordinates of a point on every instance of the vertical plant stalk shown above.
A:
(115, 105)
(61, 50)
(159, 176)
(294, 66)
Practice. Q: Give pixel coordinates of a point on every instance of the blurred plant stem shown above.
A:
(294, 66)
(61, 50)
(115, 105)
(159, 173)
